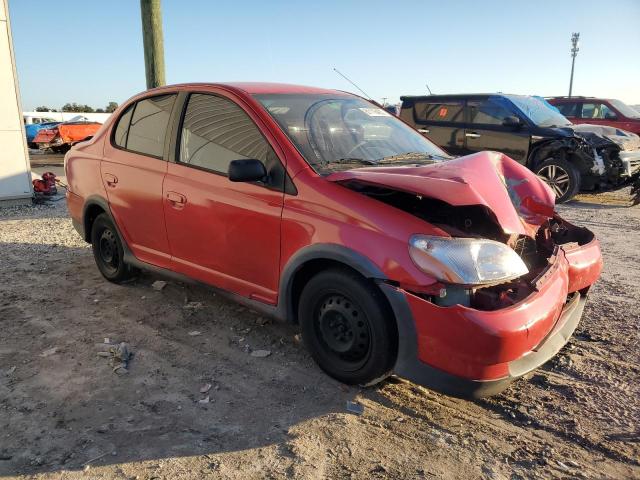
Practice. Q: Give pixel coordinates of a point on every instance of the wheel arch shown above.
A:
(93, 206)
(312, 259)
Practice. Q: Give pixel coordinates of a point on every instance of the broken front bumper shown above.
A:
(467, 352)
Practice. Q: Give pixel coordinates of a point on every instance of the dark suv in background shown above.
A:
(598, 111)
(531, 131)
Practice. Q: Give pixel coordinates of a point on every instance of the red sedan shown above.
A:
(321, 209)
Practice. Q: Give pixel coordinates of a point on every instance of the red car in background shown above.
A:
(598, 111)
(321, 209)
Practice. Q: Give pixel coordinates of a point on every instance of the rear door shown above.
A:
(221, 232)
(441, 121)
(485, 130)
(133, 169)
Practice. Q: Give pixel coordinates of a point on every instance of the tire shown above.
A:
(561, 176)
(108, 252)
(348, 327)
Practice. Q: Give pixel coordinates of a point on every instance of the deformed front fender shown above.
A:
(320, 251)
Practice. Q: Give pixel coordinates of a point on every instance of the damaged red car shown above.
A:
(321, 209)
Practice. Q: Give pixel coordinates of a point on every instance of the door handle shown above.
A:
(177, 200)
(472, 135)
(110, 179)
(423, 130)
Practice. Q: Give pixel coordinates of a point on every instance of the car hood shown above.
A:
(519, 201)
(624, 139)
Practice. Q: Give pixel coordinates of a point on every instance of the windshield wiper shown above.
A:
(354, 160)
(411, 156)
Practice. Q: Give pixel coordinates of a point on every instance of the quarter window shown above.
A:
(142, 127)
(487, 112)
(439, 112)
(122, 128)
(216, 131)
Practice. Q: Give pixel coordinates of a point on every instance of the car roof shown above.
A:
(455, 96)
(578, 97)
(253, 88)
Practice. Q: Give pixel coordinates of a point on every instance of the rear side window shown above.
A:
(568, 109)
(216, 131)
(143, 126)
(487, 112)
(439, 112)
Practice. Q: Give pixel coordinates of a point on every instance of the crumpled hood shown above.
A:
(518, 199)
(627, 141)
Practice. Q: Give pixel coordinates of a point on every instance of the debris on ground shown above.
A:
(119, 354)
(193, 306)
(49, 352)
(205, 388)
(194, 333)
(262, 321)
(204, 400)
(261, 353)
(158, 285)
(355, 407)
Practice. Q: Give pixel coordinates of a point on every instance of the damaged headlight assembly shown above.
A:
(466, 261)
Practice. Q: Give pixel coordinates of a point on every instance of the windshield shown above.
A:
(539, 111)
(625, 109)
(335, 132)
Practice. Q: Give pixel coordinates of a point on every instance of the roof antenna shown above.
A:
(427, 85)
(347, 79)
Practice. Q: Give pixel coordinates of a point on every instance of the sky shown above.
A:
(90, 52)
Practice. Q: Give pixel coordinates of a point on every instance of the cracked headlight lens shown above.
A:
(468, 261)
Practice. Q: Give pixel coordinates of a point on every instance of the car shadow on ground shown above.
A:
(193, 386)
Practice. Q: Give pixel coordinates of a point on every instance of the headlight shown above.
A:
(467, 261)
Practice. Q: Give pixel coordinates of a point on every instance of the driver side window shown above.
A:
(216, 131)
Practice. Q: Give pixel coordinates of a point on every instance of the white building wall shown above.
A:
(15, 174)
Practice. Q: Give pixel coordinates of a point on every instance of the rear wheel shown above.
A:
(561, 176)
(108, 252)
(347, 327)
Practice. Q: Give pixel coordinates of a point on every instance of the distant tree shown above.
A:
(111, 107)
(45, 109)
(100, 110)
(75, 107)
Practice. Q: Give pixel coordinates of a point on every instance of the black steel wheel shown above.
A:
(561, 176)
(108, 252)
(347, 326)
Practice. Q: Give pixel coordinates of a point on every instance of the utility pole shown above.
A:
(574, 53)
(151, 14)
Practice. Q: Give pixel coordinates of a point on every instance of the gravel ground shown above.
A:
(65, 414)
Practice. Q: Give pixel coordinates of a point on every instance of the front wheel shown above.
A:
(108, 252)
(347, 327)
(561, 176)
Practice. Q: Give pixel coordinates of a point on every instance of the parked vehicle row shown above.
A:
(568, 157)
(321, 209)
(59, 137)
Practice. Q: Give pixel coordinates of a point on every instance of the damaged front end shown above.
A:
(606, 157)
(510, 275)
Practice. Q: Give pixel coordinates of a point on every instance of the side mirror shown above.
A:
(610, 116)
(512, 121)
(249, 170)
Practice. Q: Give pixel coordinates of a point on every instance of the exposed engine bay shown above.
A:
(478, 221)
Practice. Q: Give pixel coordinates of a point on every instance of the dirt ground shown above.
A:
(65, 414)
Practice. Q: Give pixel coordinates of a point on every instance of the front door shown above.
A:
(485, 130)
(133, 169)
(224, 233)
